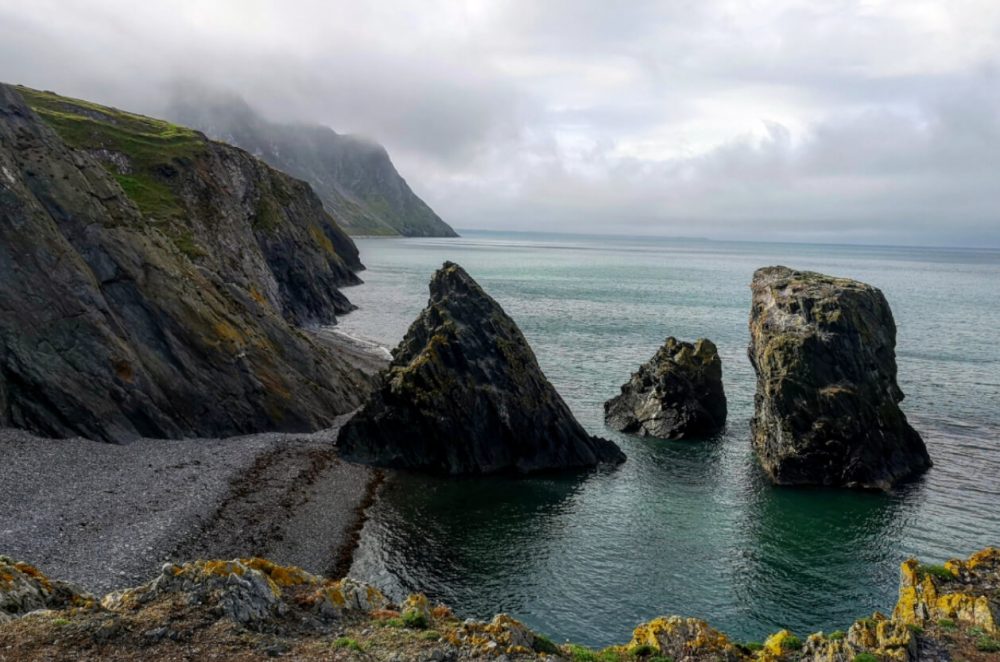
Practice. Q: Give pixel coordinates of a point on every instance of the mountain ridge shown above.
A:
(353, 176)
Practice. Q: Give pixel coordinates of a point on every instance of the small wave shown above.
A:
(360, 342)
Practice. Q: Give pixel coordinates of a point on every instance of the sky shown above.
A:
(840, 121)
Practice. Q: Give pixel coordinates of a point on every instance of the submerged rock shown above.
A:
(677, 394)
(827, 403)
(464, 395)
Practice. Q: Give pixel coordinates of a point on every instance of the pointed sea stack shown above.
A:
(677, 394)
(465, 395)
(827, 403)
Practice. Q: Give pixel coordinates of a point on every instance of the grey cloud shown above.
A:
(788, 120)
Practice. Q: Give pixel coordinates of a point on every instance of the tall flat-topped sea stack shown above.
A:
(827, 403)
(677, 394)
(465, 395)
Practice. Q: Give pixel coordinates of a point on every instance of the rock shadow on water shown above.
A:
(463, 540)
(809, 556)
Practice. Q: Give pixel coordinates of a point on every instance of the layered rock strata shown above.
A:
(151, 281)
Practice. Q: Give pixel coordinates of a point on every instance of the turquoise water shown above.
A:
(682, 527)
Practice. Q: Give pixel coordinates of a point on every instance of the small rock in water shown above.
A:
(677, 394)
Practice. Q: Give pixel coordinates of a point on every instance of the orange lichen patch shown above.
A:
(384, 614)
(227, 333)
(335, 595)
(274, 385)
(441, 612)
(679, 637)
(987, 557)
(34, 573)
(925, 598)
(282, 575)
(502, 634)
(321, 239)
(124, 371)
(217, 568)
(257, 296)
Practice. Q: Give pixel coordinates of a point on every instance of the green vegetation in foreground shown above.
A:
(791, 643)
(414, 619)
(936, 571)
(150, 145)
(347, 642)
(987, 645)
(865, 657)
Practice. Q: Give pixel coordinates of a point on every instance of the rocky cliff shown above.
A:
(464, 395)
(827, 403)
(151, 281)
(677, 394)
(354, 177)
(253, 609)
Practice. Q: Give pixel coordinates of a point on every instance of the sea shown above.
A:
(691, 528)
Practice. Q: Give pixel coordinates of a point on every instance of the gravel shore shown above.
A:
(108, 516)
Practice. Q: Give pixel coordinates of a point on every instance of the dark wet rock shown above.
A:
(677, 394)
(827, 403)
(151, 281)
(465, 395)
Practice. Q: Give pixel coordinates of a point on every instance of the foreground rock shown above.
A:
(677, 394)
(464, 395)
(253, 609)
(827, 403)
(24, 589)
(152, 280)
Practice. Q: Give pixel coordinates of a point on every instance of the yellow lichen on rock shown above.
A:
(502, 635)
(930, 597)
(684, 638)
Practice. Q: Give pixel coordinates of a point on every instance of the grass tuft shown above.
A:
(349, 643)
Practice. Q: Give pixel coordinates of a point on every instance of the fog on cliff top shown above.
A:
(874, 121)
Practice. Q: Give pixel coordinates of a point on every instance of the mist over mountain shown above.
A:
(353, 176)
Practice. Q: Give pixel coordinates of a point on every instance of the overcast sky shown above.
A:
(869, 121)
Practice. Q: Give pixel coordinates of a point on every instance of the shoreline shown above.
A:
(106, 516)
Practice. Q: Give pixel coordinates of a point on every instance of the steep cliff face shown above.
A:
(677, 394)
(354, 177)
(827, 403)
(150, 281)
(465, 395)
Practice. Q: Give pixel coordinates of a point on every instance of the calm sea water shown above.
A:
(691, 528)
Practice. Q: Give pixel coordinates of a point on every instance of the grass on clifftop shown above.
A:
(149, 145)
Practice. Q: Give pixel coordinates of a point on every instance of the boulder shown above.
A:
(827, 403)
(24, 589)
(464, 395)
(677, 394)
